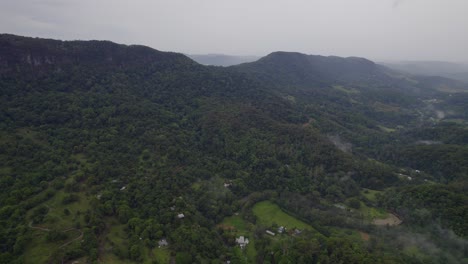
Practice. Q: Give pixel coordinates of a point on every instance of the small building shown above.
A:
(226, 185)
(180, 216)
(242, 241)
(123, 188)
(281, 229)
(297, 231)
(163, 243)
(270, 233)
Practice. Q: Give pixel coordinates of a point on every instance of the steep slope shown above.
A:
(22, 52)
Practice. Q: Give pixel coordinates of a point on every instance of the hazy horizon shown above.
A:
(385, 30)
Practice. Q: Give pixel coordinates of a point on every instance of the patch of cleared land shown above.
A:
(372, 213)
(269, 213)
(235, 222)
(162, 255)
(370, 194)
(391, 220)
(39, 249)
(240, 227)
(365, 236)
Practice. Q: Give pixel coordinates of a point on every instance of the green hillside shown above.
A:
(107, 150)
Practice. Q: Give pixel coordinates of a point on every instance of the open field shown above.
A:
(371, 213)
(370, 194)
(236, 222)
(269, 213)
(161, 255)
(39, 249)
(390, 220)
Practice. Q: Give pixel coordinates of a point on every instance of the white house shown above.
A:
(180, 216)
(281, 229)
(163, 243)
(242, 241)
(270, 233)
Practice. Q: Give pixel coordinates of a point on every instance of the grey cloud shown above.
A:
(396, 3)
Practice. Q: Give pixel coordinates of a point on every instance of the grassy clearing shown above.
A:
(162, 255)
(237, 222)
(56, 217)
(116, 237)
(250, 251)
(196, 186)
(117, 234)
(371, 213)
(39, 249)
(345, 233)
(389, 220)
(269, 213)
(370, 194)
(415, 252)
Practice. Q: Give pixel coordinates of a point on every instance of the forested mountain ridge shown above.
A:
(313, 68)
(292, 68)
(115, 142)
(27, 51)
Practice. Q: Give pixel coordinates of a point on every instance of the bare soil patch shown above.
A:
(365, 236)
(391, 220)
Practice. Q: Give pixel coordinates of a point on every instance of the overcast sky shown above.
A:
(375, 29)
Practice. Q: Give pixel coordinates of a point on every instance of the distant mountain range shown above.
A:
(451, 70)
(458, 71)
(221, 59)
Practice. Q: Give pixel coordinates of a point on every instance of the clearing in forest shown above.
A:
(391, 220)
(269, 213)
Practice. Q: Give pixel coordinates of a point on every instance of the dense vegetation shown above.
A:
(104, 146)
